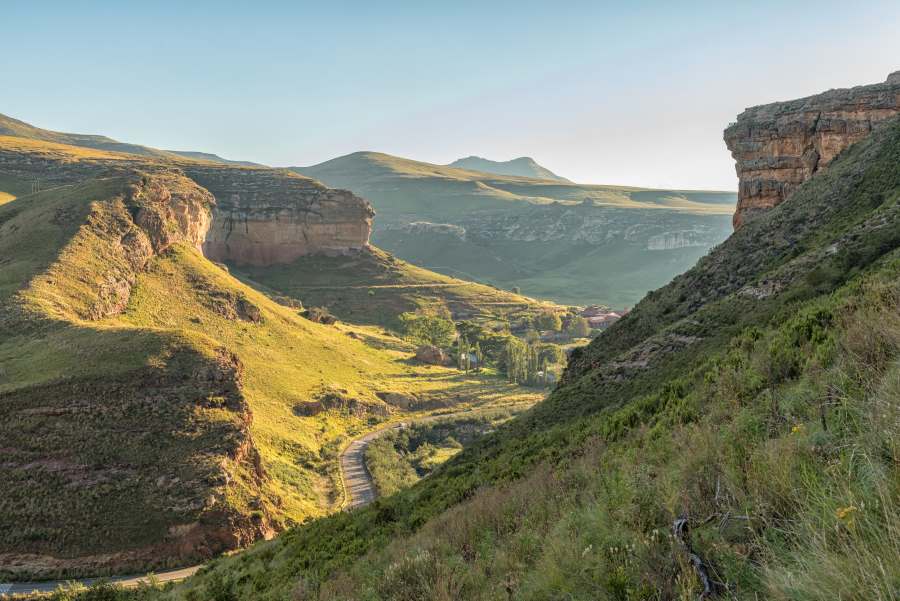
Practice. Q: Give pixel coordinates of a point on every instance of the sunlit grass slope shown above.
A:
(150, 403)
(374, 287)
(288, 361)
(399, 186)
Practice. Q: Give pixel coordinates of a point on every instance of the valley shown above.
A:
(213, 409)
(550, 238)
(264, 386)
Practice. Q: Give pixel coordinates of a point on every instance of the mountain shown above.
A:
(159, 407)
(14, 127)
(573, 243)
(213, 158)
(735, 434)
(520, 167)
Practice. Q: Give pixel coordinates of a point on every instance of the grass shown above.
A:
(374, 287)
(288, 361)
(159, 408)
(401, 458)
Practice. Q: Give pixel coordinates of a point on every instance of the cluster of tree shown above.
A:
(434, 328)
(529, 364)
(475, 345)
(571, 324)
(468, 356)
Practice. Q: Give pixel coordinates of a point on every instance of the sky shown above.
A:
(632, 93)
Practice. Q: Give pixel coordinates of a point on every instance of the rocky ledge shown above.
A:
(779, 146)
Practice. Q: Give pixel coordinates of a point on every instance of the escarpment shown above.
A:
(266, 216)
(779, 146)
(260, 216)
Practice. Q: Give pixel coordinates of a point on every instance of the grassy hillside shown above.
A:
(14, 127)
(754, 397)
(154, 409)
(572, 243)
(374, 287)
(399, 186)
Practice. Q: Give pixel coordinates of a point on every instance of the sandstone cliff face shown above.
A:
(779, 146)
(260, 216)
(266, 216)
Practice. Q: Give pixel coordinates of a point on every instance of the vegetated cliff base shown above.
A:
(779, 146)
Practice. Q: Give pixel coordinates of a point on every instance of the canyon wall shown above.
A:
(266, 216)
(779, 146)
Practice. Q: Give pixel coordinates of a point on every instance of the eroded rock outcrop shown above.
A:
(779, 146)
(266, 216)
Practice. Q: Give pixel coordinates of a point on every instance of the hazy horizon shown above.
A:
(599, 94)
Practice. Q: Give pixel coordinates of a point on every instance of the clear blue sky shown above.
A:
(618, 92)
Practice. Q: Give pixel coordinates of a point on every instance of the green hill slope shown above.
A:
(373, 287)
(572, 243)
(155, 410)
(755, 397)
(14, 127)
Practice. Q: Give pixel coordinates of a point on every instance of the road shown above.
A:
(360, 491)
(126, 581)
(358, 483)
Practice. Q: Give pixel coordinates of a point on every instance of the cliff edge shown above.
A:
(778, 146)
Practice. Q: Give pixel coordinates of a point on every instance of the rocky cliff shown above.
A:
(779, 146)
(266, 216)
(261, 216)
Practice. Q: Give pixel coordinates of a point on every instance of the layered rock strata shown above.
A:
(265, 216)
(779, 146)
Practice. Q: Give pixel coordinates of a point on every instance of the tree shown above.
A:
(531, 336)
(427, 329)
(578, 327)
(462, 351)
(548, 320)
(515, 359)
(549, 353)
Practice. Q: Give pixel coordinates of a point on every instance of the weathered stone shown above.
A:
(432, 355)
(267, 216)
(779, 146)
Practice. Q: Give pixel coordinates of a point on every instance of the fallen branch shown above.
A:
(681, 529)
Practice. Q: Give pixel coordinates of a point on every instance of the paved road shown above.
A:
(126, 581)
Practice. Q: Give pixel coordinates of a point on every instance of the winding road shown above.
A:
(359, 490)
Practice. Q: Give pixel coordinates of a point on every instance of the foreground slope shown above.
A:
(569, 242)
(754, 397)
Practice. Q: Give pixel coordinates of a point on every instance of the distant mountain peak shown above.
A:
(518, 167)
